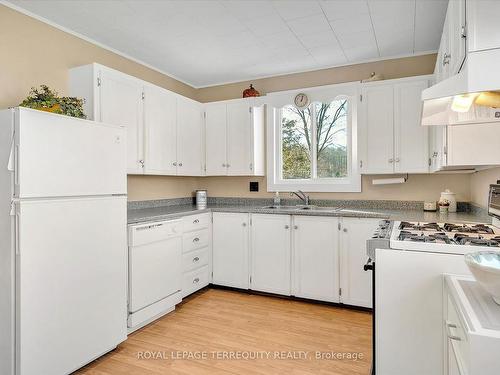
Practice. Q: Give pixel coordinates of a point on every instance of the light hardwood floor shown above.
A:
(231, 322)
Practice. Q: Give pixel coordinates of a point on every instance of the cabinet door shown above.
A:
(437, 147)
(230, 249)
(270, 253)
(121, 104)
(315, 258)
(378, 128)
(239, 152)
(456, 30)
(160, 131)
(215, 139)
(444, 53)
(355, 282)
(473, 145)
(411, 139)
(190, 161)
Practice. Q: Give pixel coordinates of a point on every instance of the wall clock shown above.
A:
(301, 101)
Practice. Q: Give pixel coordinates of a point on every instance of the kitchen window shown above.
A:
(313, 148)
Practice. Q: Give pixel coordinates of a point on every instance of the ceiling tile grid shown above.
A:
(210, 42)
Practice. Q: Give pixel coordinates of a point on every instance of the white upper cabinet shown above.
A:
(377, 131)
(164, 129)
(234, 138)
(215, 138)
(456, 30)
(391, 138)
(270, 253)
(315, 272)
(411, 140)
(483, 32)
(190, 160)
(160, 131)
(120, 103)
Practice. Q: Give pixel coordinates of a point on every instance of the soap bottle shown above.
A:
(277, 199)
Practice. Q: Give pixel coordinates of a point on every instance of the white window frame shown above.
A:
(324, 94)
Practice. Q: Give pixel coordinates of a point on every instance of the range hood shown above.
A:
(470, 97)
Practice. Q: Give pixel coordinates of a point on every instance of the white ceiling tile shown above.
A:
(205, 42)
(341, 9)
(290, 10)
(356, 40)
(358, 54)
(399, 43)
(280, 40)
(352, 24)
(266, 25)
(309, 25)
(429, 20)
(319, 39)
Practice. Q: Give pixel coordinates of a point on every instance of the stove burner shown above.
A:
(476, 228)
(408, 236)
(464, 239)
(418, 226)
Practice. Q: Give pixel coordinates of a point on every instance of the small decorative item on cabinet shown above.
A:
(45, 99)
(250, 92)
(444, 204)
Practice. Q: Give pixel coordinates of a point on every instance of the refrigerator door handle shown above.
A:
(11, 162)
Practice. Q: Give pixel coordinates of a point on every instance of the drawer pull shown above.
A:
(196, 221)
(196, 239)
(450, 335)
(196, 281)
(196, 259)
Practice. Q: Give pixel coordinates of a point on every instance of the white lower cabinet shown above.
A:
(315, 273)
(270, 253)
(355, 282)
(230, 242)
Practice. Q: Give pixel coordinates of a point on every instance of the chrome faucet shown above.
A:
(302, 196)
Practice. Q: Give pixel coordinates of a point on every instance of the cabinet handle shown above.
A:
(391, 160)
(446, 58)
(142, 163)
(434, 154)
(196, 239)
(227, 165)
(463, 32)
(396, 160)
(223, 165)
(345, 230)
(449, 333)
(180, 164)
(196, 281)
(244, 224)
(196, 221)
(295, 227)
(287, 226)
(174, 164)
(196, 259)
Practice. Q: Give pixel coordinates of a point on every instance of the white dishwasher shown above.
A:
(155, 256)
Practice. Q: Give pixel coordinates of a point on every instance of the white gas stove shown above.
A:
(448, 238)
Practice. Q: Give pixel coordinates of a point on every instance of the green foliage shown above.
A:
(48, 100)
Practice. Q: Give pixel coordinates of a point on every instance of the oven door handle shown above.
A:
(368, 265)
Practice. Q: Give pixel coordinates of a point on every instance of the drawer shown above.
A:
(194, 259)
(458, 341)
(195, 222)
(194, 280)
(195, 240)
(141, 234)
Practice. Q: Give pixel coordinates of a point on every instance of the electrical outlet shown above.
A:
(254, 186)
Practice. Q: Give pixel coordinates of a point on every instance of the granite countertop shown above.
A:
(138, 215)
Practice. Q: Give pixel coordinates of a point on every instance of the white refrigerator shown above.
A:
(63, 241)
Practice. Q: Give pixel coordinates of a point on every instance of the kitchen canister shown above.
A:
(201, 199)
(450, 197)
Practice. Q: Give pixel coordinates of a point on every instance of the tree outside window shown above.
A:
(314, 141)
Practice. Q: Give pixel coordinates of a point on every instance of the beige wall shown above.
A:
(395, 68)
(35, 53)
(480, 183)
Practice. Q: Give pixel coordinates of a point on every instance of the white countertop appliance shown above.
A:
(408, 288)
(63, 246)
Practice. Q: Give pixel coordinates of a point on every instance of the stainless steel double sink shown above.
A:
(301, 207)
